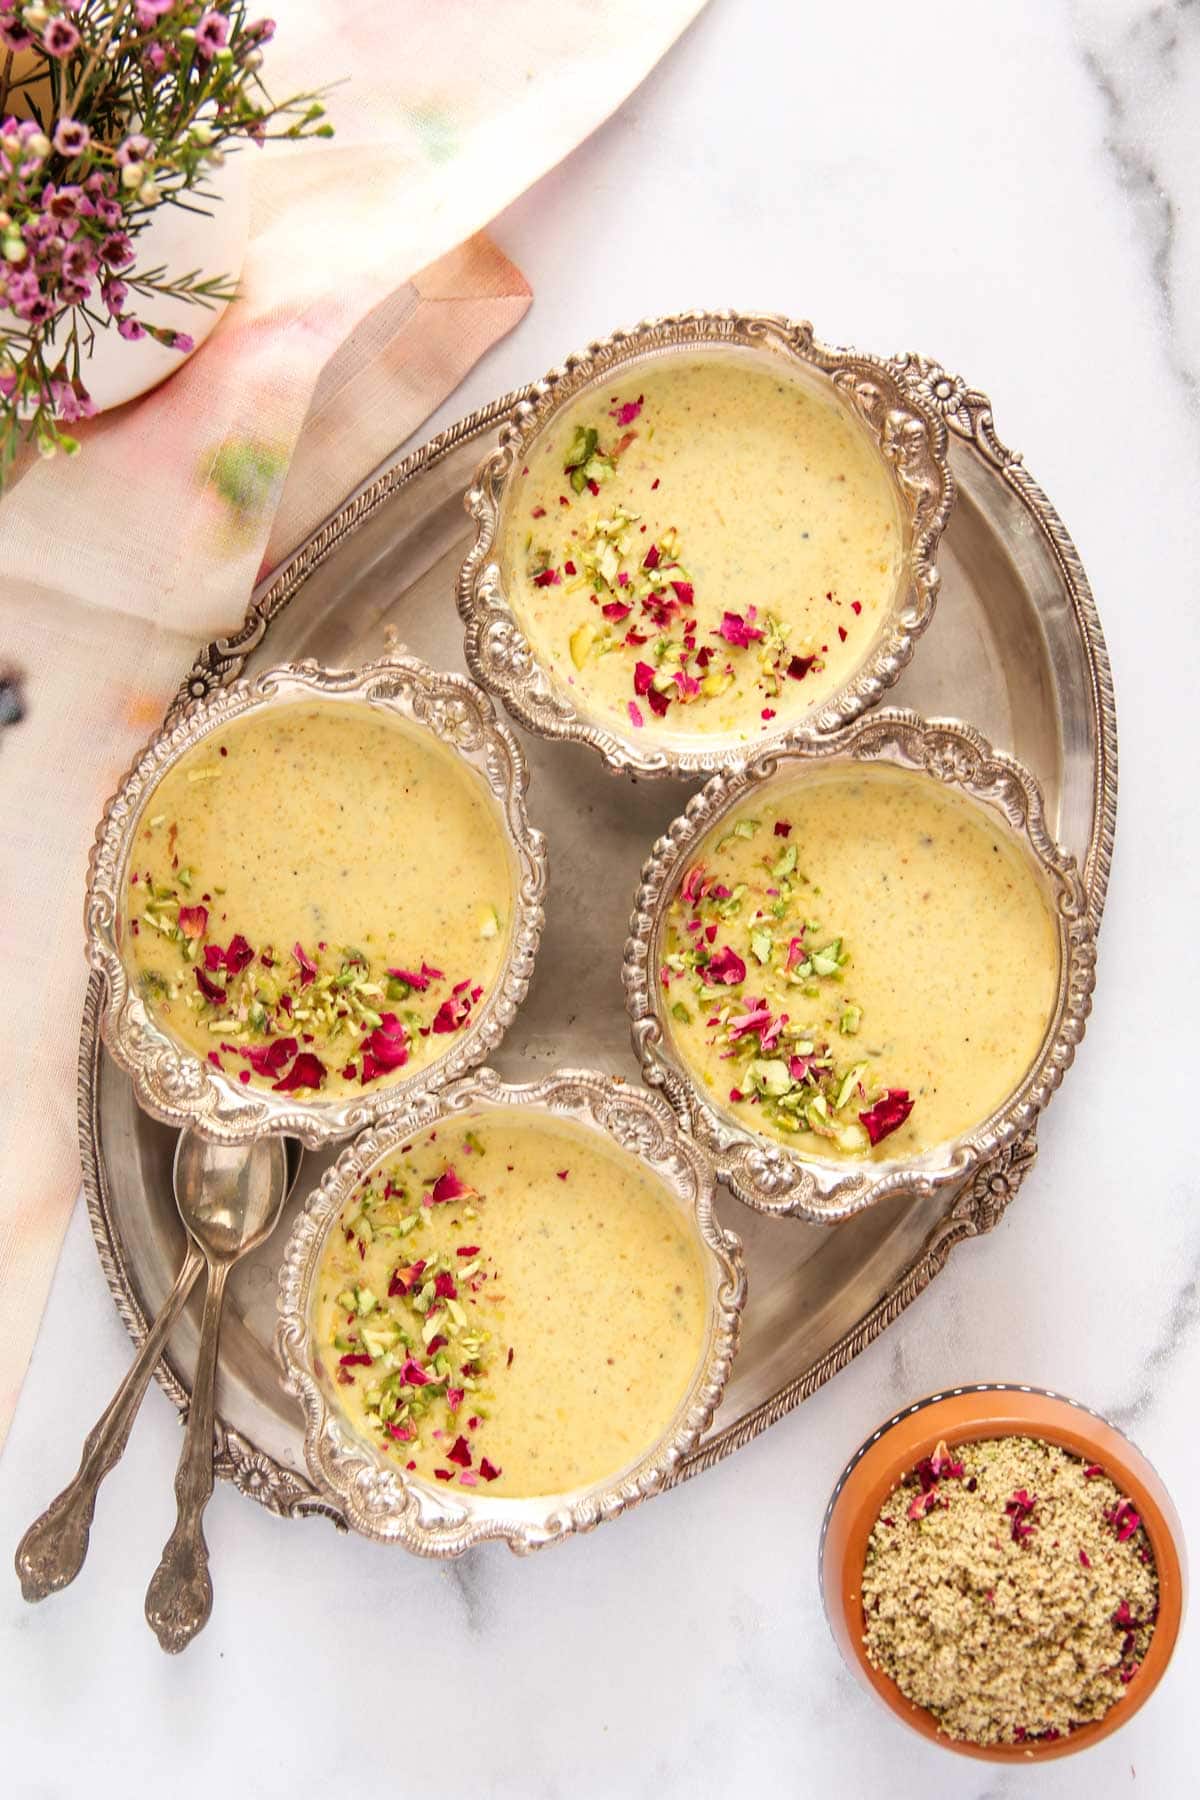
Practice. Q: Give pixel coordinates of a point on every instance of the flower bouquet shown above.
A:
(109, 110)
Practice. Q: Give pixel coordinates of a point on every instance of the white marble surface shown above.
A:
(1013, 189)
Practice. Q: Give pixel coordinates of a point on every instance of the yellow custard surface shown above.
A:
(318, 898)
(511, 1304)
(859, 963)
(707, 546)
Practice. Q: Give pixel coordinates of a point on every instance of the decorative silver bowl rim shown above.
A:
(178, 1086)
(911, 439)
(376, 1496)
(769, 1176)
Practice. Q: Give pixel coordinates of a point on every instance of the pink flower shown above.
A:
(182, 342)
(134, 149)
(130, 329)
(59, 38)
(115, 295)
(212, 34)
(262, 31)
(61, 202)
(71, 137)
(117, 250)
(15, 35)
(148, 11)
(71, 402)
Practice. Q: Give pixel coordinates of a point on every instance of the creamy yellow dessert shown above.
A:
(318, 898)
(513, 1304)
(859, 963)
(708, 546)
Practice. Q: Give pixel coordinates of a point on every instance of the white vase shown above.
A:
(214, 242)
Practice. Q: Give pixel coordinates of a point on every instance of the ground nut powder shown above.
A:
(1010, 1589)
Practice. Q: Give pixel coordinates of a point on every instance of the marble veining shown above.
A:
(1145, 62)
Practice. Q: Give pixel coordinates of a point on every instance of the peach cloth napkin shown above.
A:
(367, 294)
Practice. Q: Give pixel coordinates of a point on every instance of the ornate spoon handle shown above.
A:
(51, 1553)
(179, 1598)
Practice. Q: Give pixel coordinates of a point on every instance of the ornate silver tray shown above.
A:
(1016, 648)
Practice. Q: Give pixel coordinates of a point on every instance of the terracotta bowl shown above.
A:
(988, 1410)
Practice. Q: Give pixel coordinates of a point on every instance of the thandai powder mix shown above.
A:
(1010, 1589)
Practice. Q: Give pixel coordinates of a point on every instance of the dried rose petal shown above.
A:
(1019, 1508)
(308, 968)
(460, 1453)
(799, 666)
(725, 966)
(1123, 1519)
(693, 884)
(782, 828)
(307, 1071)
(548, 578)
(616, 610)
(452, 1014)
(212, 993)
(405, 1278)
(738, 630)
(488, 1470)
(643, 678)
(388, 1043)
(443, 1285)
(272, 1058)
(658, 702)
(758, 1018)
(626, 413)
(238, 955)
(193, 921)
(355, 1356)
(887, 1115)
(685, 593)
(412, 1374)
(467, 1250)
(450, 1186)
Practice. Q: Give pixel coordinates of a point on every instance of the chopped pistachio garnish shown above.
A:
(765, 979)
(285, 1016)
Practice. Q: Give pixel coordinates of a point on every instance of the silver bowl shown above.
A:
(911, 442)
(769, 1176)
(181, 1088)
(376, 1496)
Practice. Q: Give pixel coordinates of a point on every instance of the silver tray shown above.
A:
(1016, 648)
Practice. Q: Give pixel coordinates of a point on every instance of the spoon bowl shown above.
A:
(230, 1195)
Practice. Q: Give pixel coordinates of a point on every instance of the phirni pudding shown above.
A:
(511, 1303)
(709, 546)
(318, 898)
(859, 963)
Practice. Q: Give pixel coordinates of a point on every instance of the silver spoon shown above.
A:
(224, 1220)
(52, 1551)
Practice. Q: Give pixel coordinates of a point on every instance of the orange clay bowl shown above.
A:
(994, 1409)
